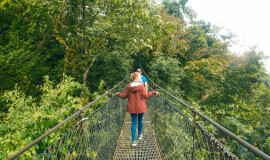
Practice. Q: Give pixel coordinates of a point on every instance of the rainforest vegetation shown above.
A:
(56, 56)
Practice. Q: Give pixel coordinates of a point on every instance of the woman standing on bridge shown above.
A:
(136, 93)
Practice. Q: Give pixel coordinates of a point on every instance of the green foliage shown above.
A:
(178, 8)
(28, 49)
(166, 72)
(27, 118)
(59, 38)
(202, 77)
(242, 75)
(111, 69)
(267, 145)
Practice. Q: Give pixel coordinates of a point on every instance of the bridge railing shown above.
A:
(180, 137)
(177, 103)
(92, 137)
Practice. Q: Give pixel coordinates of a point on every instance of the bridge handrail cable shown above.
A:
(253, 149)
(64, 122)
(199, 126)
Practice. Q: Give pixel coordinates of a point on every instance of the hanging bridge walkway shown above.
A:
(171, 131)
(146, 148)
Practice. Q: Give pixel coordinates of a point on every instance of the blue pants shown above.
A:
(134, 124)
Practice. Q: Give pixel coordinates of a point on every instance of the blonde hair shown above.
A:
(133, 76)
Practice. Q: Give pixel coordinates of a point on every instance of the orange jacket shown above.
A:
(136, 98)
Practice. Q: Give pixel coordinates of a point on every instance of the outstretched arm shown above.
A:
(125, 95)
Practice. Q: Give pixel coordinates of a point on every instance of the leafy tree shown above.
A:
(67, 37)
(166, 72)
(197, 42)
(242, 75)
(30, 50)
(202, 78)
(178, 8)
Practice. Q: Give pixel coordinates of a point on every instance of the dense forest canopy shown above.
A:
(58, 55)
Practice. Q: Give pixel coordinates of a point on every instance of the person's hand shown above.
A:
(117, 93)
(157, 93)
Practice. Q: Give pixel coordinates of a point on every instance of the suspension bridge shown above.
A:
(171, 131)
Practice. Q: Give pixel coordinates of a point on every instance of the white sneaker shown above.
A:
(134, 144)
(140, 136)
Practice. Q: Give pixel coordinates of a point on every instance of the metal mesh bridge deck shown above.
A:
(146, 148)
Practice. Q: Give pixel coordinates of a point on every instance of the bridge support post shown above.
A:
(193, 132)
(165, 96)
(80, 119)
(165, 99)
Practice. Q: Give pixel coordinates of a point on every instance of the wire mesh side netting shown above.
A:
(93, 137)
(180, 137)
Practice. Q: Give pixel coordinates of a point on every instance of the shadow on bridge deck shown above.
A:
(146, 148)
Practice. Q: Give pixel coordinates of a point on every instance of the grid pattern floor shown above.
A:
(146, 147)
